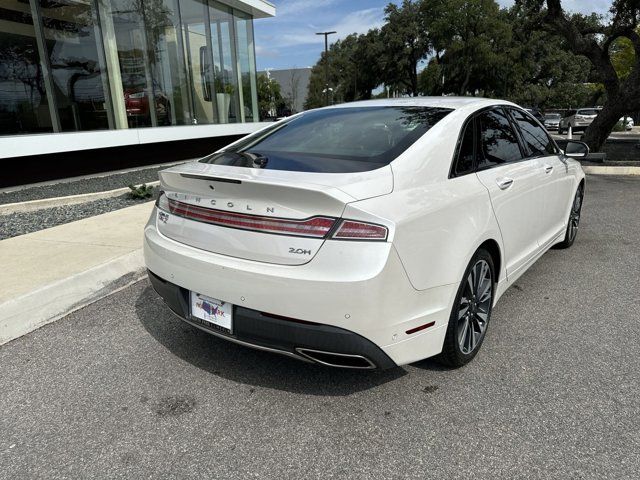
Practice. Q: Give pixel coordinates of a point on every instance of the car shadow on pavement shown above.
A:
(246, 365)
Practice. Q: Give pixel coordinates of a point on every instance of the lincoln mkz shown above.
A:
(365, 235)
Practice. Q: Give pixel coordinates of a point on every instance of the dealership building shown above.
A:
(97, 80)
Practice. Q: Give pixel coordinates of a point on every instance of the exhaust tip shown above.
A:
(338, 360)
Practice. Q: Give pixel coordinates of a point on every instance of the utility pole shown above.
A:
(326, 65)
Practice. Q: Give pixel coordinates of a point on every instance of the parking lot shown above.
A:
(123, 389)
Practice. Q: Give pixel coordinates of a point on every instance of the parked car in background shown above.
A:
(536, 113)
(627, 123)
(138, 106)
(365, 235)
(552, 121)
(578, 119)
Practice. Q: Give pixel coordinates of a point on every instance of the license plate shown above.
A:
(211, 312)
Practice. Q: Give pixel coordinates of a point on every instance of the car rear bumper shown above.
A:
(306, 341)
(359, 289)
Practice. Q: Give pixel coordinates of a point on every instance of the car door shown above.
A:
(557, 184)
(513, 182)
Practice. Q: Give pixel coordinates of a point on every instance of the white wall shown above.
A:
(23, 145)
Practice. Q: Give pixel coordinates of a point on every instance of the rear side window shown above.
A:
(464, 159)
(497, 143)
(534, 136)
(351, 139)
(588, 112)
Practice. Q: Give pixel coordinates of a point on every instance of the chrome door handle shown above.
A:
(548, 168)
(504, 182)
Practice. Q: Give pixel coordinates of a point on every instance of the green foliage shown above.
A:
(270, 101)
(406, 42)
(354, 70)
(623, 56)
(532, 53)
(141, 192)
(471, 39)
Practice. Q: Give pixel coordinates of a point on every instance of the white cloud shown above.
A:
(579, 6)
(262, 51)
(359, 21)
(301, 7)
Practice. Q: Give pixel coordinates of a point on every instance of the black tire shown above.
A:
(560, 131)
(574, 219)
(453, 354)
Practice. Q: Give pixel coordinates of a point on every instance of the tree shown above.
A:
(468, 38)
(354, 70)
(623, 56)
(294, 85)
(541, 71)
(270, 101)
(595, 39)
(406, 44)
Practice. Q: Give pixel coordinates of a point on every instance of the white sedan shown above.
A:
(364, 235)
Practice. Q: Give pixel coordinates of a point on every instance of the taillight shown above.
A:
(314, 227)
(353, 230)
(163, 202)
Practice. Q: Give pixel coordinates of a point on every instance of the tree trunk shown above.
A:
(599, 130)
(465, 83)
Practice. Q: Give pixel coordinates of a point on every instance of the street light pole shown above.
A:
(326, 65)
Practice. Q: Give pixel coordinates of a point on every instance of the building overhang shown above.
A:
(257, 8)
(48, 143)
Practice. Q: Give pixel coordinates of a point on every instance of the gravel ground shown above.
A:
(16, 224)
(83, 185)
(124, 389)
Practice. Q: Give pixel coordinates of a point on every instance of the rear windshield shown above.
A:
(552, 115)
(333, 140)
(588, 111)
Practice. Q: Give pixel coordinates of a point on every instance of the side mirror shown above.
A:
(576, 149)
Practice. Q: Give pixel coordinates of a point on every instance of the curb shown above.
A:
(609, 170)
(32, 205)
(40, 307)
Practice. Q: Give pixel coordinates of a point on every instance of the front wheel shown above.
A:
(574, 219)
(471, 312)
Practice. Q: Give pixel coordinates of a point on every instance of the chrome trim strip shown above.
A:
(244, 344)
(302, 351)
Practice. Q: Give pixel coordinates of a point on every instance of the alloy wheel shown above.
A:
(574, 216)
(475, 306)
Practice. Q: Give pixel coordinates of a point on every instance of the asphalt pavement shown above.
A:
(123, 389)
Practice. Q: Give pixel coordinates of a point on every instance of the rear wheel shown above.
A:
(574, 220)
(471, 312)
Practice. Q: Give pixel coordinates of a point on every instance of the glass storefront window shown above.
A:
(72, 65)
(224, 64)
(71, 34)
(23, 97)
(247, 65)
(194, 14)
(150, 62)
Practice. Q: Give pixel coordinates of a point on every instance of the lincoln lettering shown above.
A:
(247, 207)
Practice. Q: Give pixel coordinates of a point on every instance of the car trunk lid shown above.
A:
(263, 215)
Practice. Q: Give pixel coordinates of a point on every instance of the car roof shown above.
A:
(438, 102)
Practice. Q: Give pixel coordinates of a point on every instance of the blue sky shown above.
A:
(288, 40)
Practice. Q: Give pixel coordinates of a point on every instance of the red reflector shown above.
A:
(360, 231)
(315, 227)
(421, 327)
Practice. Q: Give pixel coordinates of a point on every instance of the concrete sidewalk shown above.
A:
(49, 273)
